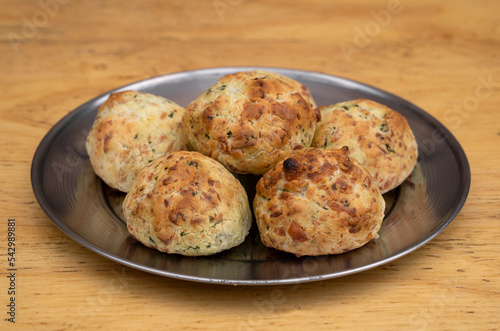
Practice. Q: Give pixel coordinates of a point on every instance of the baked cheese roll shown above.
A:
(189, 204)
(131, 130)
(318, 202)
(378, 137)
(249, 121)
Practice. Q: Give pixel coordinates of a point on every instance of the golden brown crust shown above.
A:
(189, 204)
(248, 121)
(318, 202)
(132, 129)
(378, 137)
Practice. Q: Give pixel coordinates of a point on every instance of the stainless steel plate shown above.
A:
(89, 212)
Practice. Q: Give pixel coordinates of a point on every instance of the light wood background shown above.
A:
(441, 55)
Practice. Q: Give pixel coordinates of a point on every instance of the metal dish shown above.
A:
(90, 213)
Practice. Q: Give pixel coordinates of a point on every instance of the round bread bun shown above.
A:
(377, 136)
(132, 129)
(318, 202)
(249, 121)
(189, 204)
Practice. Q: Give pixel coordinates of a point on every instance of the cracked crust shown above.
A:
(249, 121)
(377, 136)
(132, 129)
(189, 204)
(318, 202)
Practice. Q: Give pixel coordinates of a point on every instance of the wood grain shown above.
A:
(436, 54)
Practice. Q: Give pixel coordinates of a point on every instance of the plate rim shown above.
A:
(45, 143)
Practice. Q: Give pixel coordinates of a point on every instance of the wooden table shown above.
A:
(441, 55)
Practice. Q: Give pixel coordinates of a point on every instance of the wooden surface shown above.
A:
(441, 55)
